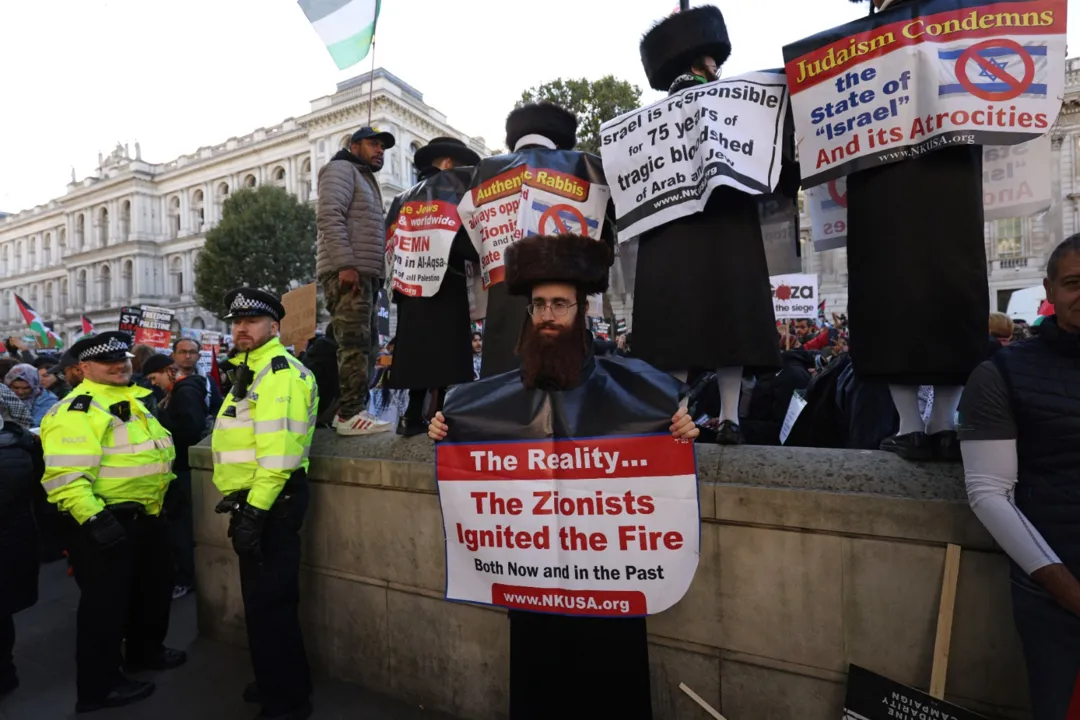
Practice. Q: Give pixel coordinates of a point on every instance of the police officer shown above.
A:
(108, 463)
(261, 440)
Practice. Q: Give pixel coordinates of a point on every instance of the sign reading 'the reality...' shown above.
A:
(873, 697)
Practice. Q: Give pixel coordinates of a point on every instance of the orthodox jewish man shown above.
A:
(702, 297)
(569, 667)
(434, 348)
(914, 249)
(541, 138)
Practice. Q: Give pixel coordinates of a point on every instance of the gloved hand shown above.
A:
(105, 530)
(246, 530)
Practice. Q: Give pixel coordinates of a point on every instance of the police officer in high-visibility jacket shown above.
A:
(108, 463)
(261, 440)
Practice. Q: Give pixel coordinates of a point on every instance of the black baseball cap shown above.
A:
(66, 360)
(370, 132)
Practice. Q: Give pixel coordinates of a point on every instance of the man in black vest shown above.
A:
(1019, 428)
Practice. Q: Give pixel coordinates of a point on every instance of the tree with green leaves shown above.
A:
(593, 102)
(266, 239)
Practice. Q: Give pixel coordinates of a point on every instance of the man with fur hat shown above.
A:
(433, 349)
(567, 666)
(702, 297)
(515, 195)
(915, 245)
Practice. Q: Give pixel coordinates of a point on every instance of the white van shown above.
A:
(1024, 304)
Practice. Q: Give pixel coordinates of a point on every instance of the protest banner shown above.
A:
(924, 76)
(873, 697)
(1015, 183)
(780, 233)
(129, 320)
(601, 526)
(423, 223)
(155, 327)
(795, 296)
(301, 315)
(531, 192)
(664, 160)
(795, 407)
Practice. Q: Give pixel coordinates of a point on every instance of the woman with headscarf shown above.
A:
(24, 381)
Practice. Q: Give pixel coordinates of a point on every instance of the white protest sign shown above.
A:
(922, 76)
(664, 160)
(600, 526)
(795, 408)
(420, 244)
(795, 296)
(1016, 182)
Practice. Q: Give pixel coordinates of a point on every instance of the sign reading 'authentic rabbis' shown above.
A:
(873, 697)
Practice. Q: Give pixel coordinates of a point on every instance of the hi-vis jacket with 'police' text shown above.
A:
(260, 440)
(103, 447)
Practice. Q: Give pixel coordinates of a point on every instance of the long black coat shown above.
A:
(20, 486)
(916, 256)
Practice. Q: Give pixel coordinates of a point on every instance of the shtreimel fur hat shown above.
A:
(575, 259)
(675, 42)
(543, 118)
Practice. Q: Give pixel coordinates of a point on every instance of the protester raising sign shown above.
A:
(600, 526)
(923, 76)
(155, 328)
(794, 296)
(530, 192)
(664, 160)
(424, 221)
(1015, 184)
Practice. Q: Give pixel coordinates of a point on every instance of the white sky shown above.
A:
(78, 76)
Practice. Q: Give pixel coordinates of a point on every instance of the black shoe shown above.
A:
(910, 446)
(946, 446)
(166, 660)
(9, 684)
(127, 692)
(301, 713)
(410, 428)
(729, 434)
(252, 694)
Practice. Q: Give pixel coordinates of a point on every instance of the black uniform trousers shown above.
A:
(126, 594)
(7, 648)
(270, 584)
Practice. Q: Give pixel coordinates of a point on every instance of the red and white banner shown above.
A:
(155, 328)
(599, 526)
(419, 246)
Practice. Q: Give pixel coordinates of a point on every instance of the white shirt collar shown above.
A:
(534, 139)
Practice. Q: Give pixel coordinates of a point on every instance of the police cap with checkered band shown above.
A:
(106, 347)
(250, 302)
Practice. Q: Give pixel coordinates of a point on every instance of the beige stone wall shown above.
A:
(810, 560)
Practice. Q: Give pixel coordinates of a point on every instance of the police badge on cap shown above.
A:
(249, 302)
(107, 347)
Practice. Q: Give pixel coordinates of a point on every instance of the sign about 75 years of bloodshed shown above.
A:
(664, 160)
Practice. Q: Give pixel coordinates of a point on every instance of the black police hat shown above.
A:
(107, 347)
(370, 132)
(251, 302)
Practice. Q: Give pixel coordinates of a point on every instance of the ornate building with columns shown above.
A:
(130, 233)
(1016, 248)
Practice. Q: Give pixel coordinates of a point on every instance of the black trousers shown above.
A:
(270, 584)
(178, 518)
(7, 648)
(126, 593)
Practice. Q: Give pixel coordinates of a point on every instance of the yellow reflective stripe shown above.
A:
(268, 426)
(72, 460)
(281, 462)
(231, 424)
(234, 456)
(134, 471)
(146, 445)
(61, 481)
(259, 378)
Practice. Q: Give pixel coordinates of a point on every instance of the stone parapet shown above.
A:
(810, 560)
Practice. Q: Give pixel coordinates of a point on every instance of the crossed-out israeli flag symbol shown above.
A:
(999, 64)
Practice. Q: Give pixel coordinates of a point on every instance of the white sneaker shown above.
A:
(361, 424)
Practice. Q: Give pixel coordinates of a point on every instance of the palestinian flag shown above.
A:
(87, 327)
(45, 336)
(347, 27)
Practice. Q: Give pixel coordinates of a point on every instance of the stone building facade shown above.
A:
(130, 233)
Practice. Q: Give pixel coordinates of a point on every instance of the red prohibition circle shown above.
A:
(834, 193)
(1016, 87)
(553, 214)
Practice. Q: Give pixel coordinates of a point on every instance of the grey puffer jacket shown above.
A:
(350, 219)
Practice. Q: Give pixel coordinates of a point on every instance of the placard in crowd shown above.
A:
(130, 317)
(795, 296)
(155, 327)
(664, 160)
(924, 76)
(301, 307)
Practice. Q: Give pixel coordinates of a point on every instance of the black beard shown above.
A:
(553, 360)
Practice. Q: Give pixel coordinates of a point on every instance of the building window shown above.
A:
(48, 307)
(198, 214)
(80, 290)
(176, 270)
(127, 274)
(103, 227)
(125, 220)
(250, 181)
(31, 254)
(63, 295)
(18, 257)
(46, 250)
(346, 141)
(80, 231)
(5, 261)
(277, 176)
(198, 324)
(63, 242)
(1009, 238)
(305, 180)
(105, 280)
(174, 218)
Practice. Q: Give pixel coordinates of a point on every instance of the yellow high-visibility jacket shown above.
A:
(260, 440)
(94, 457)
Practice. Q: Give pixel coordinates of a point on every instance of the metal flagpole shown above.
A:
(371, 82)
(684, 5)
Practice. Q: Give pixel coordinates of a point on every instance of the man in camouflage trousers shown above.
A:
(350, 265)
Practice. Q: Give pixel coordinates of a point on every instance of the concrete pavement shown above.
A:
(208, 687)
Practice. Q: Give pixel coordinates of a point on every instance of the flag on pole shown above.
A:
(347, 27)
(87, 327)
(33, 320)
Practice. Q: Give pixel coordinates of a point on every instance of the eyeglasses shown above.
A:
(559, 308)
